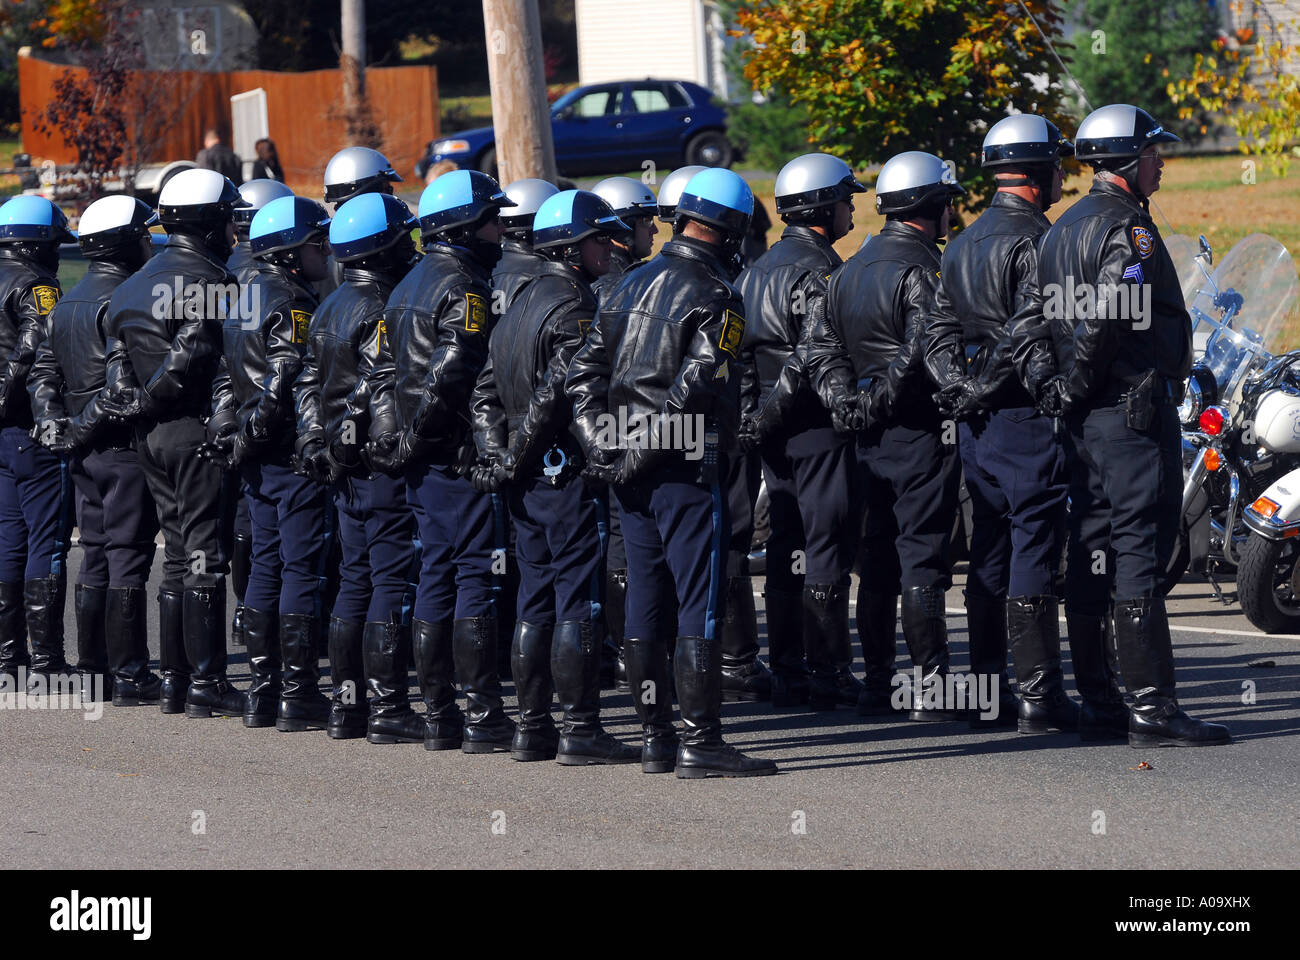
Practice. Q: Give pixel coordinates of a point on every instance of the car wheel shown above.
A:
(487, 162)
(709, 149)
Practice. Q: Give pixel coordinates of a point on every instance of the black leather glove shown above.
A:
(961, 399)
(388, 452)
(125, 403)
(315, 463)
(847, 415)
(750, 434)
(1054, 397)
(53, 434)
(488, 475)
(637, 462)
(601, 466)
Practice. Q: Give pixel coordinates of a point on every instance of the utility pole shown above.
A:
(353, 62)
(520, 114)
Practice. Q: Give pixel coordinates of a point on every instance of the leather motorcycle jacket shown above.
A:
(1113, 299)
(28, 292)
(518, 262)
(241, 262)
(620, 261)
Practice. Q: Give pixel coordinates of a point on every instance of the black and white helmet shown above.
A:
(914, 182)
(112, 224)
(812, 181)
(356, 170)
(670, 191)
(1024, 139)
(1118, 132)
(528, 195)
(194, 197)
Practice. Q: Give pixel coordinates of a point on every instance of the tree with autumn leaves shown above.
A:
(881, 76)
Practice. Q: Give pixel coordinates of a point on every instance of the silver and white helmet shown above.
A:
(913, 180)
(257, 193)
(627, 197)
(814, 180)
(356, 170)
(528, 195)
(1118, 131)
(1024, 138)
(670, 191)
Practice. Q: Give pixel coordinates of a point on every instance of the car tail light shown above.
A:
(1212, 421)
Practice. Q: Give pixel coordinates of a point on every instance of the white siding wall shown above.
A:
(630, 39)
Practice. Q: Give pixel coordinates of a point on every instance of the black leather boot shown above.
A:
(205, 648)
(785, 648)
(172, 662)
(575, 669)
(487, 728)
(90, 604)
(925, 630)
(13, 636)
(1146, 658)
(828, 647)
(43, 600)
(1036, 649)
(262, 639)
(1103, 715)
(302, 705)
(241, 561)
(383, 649)
(613, 664)
(647, 674)
(444, 724)
(877, 617)
(703, 752)
(986, 630)
(127, 631)
(530, 656)
(744, 676)
(348, 708)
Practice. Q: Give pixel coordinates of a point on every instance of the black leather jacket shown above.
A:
(987, 320)
(619, 263)
(785, 298)
(518, 263)
(174, 344)
(666, 341)
(438, 320)
(1107, 244)
(78, 362)
(339, 383)
(28, 292)
(263, 360)
(241, 262)
(519, 399)
(878, 303)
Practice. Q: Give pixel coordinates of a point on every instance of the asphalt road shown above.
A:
(136, 789)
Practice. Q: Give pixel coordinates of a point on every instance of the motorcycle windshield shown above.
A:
(1191, 275)
(1246, 313)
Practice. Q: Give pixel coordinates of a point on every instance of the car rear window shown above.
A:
(666, 96)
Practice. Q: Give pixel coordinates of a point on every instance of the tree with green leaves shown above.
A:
(878, 77)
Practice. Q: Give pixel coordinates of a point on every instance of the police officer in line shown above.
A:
(77, 367)
(438, 320)
(337, 416)
(263, 358)
(351, 172)
(1122, 391)
(35, 520)
(634, 203)
(523, 427)
(257, 193)
(632, 359)
(174, 347)
(990, 351)
(878, 305)
(809, 465)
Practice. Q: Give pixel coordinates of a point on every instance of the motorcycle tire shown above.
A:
(1265, 566)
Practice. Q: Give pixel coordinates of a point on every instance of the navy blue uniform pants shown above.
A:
(675, 534)
(116, 518)
(1125, 503)
(286, 514)
(744, 475)
(909, 480)
(558, 547)
(35, 509)
(810, 486)
(376, 536)
(1014, 465)
(455, 522)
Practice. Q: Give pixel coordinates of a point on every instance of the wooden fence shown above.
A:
(304, 114)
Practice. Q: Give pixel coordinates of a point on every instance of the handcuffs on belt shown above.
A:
(552, 471)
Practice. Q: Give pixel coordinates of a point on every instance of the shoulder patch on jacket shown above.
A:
(301, 324)
(1143, 241)
(46, 297)
(475, 312)
(733, 331)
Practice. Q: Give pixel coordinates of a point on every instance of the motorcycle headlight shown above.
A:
(1189, 411)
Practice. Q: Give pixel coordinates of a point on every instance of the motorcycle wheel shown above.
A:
(1268, 584)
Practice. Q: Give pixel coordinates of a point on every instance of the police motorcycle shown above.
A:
(1241, 412)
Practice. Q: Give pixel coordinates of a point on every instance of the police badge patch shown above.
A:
(301, 323)
(46, 298)
(733, 329)
(475, 312)
(1143, 242)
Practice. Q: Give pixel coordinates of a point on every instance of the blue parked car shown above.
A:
(610, 128)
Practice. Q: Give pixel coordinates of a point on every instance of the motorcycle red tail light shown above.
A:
(1212, 421)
